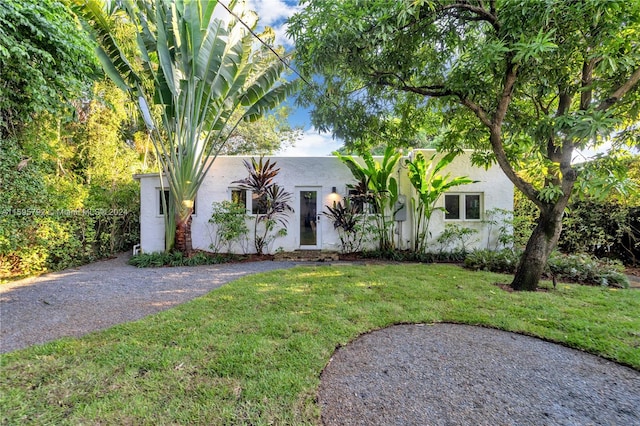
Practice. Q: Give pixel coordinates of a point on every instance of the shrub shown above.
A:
(160, 259)
(580, 268)
(604, 229)
(455, 238)
(504, 261)
(354, 228)
(230, 220)
(587, 269)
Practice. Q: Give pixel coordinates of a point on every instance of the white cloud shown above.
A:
(282, 39)
(312, 144)
(274, 13)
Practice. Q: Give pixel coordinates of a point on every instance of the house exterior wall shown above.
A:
(319, 174)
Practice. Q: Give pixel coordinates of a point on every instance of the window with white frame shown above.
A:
(463, 206)
(254, 203)
(167, 200)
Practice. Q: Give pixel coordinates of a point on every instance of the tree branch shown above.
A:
(585, 80)
(477, 110)
(436, 91)
(554, 153)
(495, 137)
(480, 11)
(620, 92)
(505, 97)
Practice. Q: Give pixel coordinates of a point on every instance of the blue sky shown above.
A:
(274, 13)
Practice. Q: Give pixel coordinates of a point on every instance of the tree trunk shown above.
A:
(183, 236)
(540, 245)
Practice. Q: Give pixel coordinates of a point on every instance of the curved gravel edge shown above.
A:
(450, 374)
(96, 296)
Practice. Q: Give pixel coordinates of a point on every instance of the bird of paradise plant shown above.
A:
(381, 189)
(429, 184)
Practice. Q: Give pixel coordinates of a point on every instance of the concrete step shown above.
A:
(307, 256)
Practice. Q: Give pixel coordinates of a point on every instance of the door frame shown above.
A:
(318, 190)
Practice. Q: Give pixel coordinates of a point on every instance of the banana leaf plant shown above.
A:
(195, 72)
(429, 184)
(273, 202)
(382, 189)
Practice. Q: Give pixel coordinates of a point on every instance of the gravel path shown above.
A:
(442, 374)
(448, 374)
(92, 297)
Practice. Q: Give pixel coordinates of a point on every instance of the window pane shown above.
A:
(472, 207)
(356, 201)
(258, 203)
(452, 206)
(308, 218)
(239, 196)
(166, 199)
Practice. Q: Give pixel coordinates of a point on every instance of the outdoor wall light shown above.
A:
(333, 190)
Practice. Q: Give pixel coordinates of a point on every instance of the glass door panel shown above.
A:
(308, 218)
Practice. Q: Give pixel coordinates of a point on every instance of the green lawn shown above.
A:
(251, 351)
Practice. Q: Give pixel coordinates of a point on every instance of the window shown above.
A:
(258, 203)
(362, 203)
(462, 206)
(167, 199)
(356, 201)
(239, 196)
(160, 203)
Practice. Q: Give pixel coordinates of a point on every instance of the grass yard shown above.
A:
(251, 352)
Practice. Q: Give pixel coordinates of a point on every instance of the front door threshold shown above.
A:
(308, 256)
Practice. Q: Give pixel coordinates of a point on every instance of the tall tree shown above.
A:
(201, 72)
(520, 81)
(265, 136)
(44, 60)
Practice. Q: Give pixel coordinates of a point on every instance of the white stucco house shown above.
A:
(316, 182)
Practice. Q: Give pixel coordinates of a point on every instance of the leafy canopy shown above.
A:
(44, 60)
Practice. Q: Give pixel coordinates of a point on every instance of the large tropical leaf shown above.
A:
(199, 71)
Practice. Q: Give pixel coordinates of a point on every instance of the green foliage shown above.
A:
(588, 270)
(523, 221)
(503, 261)
(429, 185)
(377, 186)
(67, 193)
(44, 60)
(580, 268)
(202, 73)
(230, 220)
(273, 202)
(500, 222)
(176, 258)
(594, 227)
(352, 225)
(455, 238)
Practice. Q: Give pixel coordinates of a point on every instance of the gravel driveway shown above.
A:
(449, 374)
(92, 297)
(441, 374)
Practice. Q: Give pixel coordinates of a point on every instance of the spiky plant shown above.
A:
(273, 205)
(195, 71)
